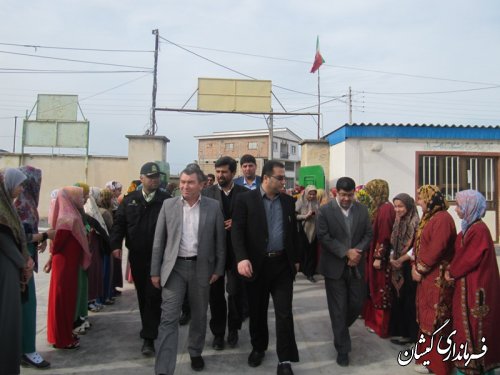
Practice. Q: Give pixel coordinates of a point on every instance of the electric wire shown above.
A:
(35, 46)
(74, 60)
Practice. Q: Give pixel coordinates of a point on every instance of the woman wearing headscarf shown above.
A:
(14, 272)
(81, 322)
(98, 243)
(70, 251)
(476, 300)
(306, 208)
(433, 250)
(27, 209)
(104, 206)
(378, 270)
(403, 322)
(117, 281)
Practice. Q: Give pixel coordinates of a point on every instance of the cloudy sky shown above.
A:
(432, 62)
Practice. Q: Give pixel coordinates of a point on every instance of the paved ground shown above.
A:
(113, 345)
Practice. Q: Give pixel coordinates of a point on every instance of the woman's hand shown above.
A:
(377, 264)
(415, 275)
(48, 266)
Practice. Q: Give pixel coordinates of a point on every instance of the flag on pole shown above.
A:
(318, 59)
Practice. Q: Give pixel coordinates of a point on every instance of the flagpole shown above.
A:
(319, 104)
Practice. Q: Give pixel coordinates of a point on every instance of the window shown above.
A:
(289, 166)
(252, 145)
(293, 150)
(275, 146)
(458, 172)
(229, 146)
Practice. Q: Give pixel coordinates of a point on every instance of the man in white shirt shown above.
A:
(189, 253)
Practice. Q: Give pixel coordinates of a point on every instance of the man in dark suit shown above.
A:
(344, 231)
(264, 237)
(225, 191)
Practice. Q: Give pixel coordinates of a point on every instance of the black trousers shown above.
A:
(276, 279)
(222, 312)
(345, 298)
(148, 296)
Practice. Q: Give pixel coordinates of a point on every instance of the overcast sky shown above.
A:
(432, 62)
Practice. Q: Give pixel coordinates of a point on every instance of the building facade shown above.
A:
(408, 156)
(255, 142)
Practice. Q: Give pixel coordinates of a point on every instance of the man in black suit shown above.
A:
(225, 191)
(344, 231)
(264, 236)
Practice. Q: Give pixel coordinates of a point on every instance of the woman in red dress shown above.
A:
(69, 251)
(378, 269)
(476, 301)
(434, 249)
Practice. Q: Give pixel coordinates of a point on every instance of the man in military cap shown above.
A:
(135, 220)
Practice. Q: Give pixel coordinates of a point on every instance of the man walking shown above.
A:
(344, 231)
(189, 253)
(135, 220)
(225, 191)
(264, 236)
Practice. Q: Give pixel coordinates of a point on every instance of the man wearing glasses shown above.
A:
(135, 220)
(344, 231)
(264, 238)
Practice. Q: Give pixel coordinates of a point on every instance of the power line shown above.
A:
(35, 46)
(340, 66)
(48, 71)
(429, 92)
(236, 71)
(73, 60)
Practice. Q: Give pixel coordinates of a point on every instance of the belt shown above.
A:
(187, 258)
(274, 254)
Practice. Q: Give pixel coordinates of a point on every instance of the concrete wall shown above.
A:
(316, 152)
(64, 170)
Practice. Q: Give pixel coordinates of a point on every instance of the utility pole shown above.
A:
(15, 131)
(350, 106)
(154, 127)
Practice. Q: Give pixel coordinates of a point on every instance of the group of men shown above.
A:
(240, 236)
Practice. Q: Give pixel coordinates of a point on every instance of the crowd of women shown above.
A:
(84, 276)
(422, 279)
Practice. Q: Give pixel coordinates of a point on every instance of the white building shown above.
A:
(407, 156)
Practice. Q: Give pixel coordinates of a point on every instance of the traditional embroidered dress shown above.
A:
(476, 301)
(434, 249)
(378, 305)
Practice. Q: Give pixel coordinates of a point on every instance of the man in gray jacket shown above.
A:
(189, 252)
(344, 231)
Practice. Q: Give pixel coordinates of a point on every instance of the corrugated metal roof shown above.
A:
(415, 131)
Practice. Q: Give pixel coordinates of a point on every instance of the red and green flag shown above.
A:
(318, 59)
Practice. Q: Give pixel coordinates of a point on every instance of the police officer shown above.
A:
(135, 220)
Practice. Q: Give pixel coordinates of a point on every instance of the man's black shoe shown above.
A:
(218, 343)
(197, 363)
(148, 348)
(284, 369)
(232, 337)
(255, 358)
(343, 359)
(184, 319)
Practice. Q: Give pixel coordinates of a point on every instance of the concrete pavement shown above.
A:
(113, 345)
